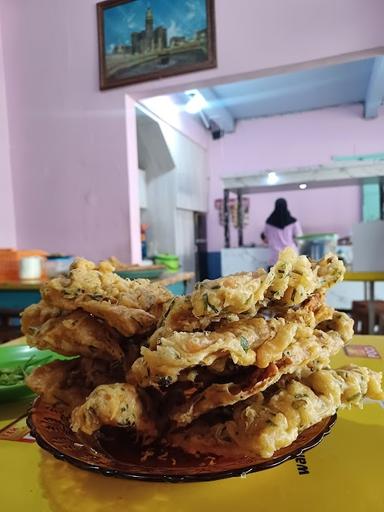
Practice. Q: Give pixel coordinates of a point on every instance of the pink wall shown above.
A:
(256, 36)
(7, 209)
(68, 146)
(68, 139)
(281, 142)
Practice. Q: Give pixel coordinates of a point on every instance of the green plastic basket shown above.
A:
(170, 261)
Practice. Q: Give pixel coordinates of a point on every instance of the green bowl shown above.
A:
(11, 357)
(171, 261)
(153, 273)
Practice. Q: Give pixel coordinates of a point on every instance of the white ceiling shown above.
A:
(352, 82)
(295, 92)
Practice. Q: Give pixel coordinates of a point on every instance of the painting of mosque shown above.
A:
(143, 40)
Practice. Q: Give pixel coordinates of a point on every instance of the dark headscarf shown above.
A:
(280, 217)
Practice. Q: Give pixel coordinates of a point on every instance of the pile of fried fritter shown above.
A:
(243, 363)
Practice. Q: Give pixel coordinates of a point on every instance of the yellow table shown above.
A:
(364, 276)
(345, 472)
(369, 279)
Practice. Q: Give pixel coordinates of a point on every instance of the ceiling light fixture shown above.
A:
(196, 102)
(302, 186)
(272, 178)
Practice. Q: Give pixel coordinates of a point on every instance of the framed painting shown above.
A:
(144, 40)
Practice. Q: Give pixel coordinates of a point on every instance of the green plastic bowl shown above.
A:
(318, 236)
(153, 273)
(170, 261)
(11, 357)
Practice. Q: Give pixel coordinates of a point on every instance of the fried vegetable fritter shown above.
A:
(309, 347)
(59, 382)
(291, 281)
(71, 334)
(262, 426)
(240, 364)
(113, 405)
(256, 341)
(131, 306)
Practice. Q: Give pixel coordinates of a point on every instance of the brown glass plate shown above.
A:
(115, 454)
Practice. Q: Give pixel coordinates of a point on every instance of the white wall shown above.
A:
(191, 170)
(293, 140)
(185, 239)
(176, 176)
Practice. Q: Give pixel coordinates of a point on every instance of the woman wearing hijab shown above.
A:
(280, 230)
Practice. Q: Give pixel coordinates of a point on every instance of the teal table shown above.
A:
(16, 296)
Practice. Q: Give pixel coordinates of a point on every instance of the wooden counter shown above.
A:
(180, 277)
(21, 285)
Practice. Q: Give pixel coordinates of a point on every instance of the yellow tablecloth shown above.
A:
(345, 472)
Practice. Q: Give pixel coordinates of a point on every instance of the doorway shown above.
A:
(200, 228)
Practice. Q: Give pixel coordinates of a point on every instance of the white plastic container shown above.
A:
(30, 268)
(317, 245)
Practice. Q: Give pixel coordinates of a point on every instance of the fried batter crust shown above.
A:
(256, 341)
(102, 292)
(309, 347)
(289, 282)
(239, 341)
(262, 426)
(70, 381)
(75, 333)
(113, 405)
(58, 382)
(240, 364)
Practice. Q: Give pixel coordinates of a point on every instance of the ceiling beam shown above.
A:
(313, 176)
(375, 90)
(217, 112)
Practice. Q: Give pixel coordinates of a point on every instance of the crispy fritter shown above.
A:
(119, 265)
(128, 321)
(95, 372)
(280, 274)
(341, 323)
(306, 277)
(69, 382)
(330, 270)
(35, 315)
(239, 341)
(289, 282)
(312, 312)
(115, 405)
(256, 341)
(236, 295)
(310, 347)
(59, 382)
(130, 306)
(241, 364)
(177, 316)
(262, 426)
(71, 334)
(301, 281)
